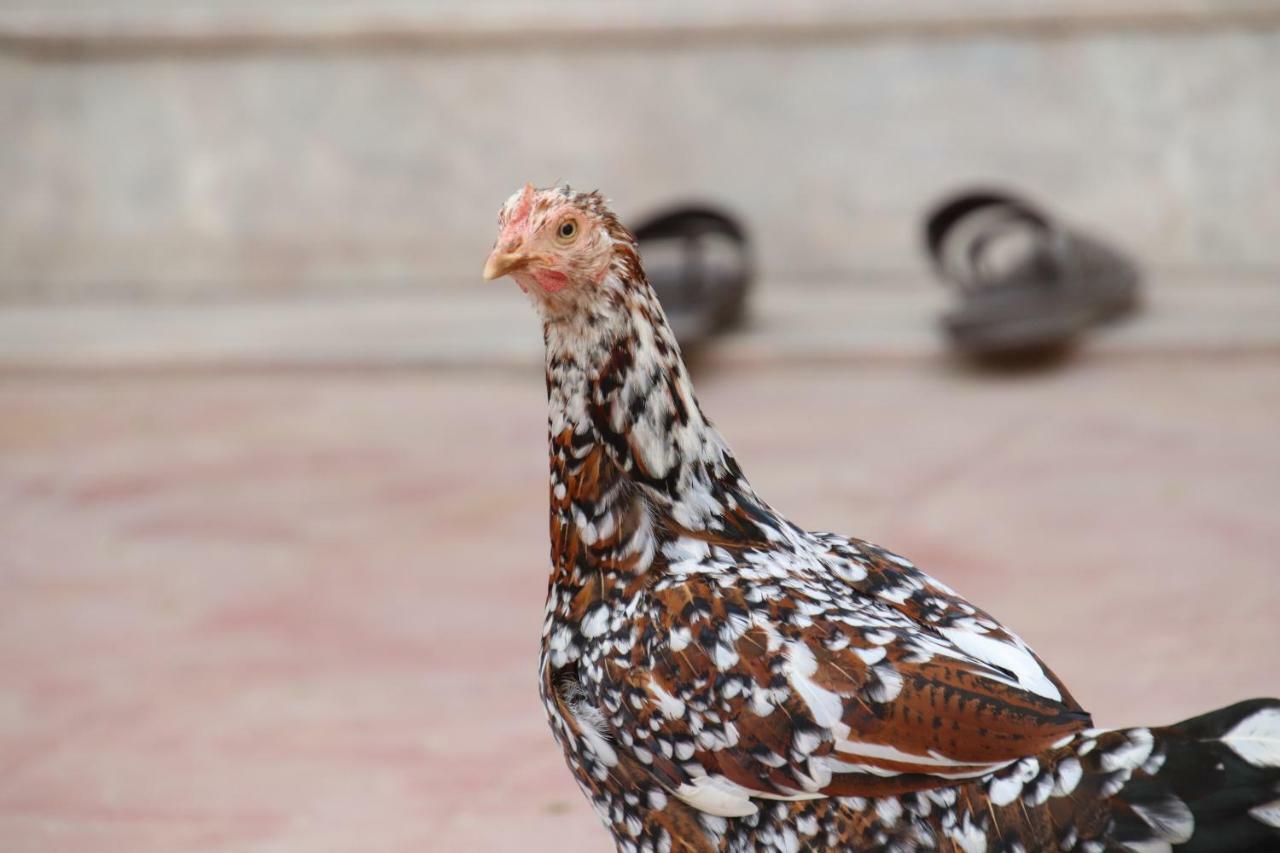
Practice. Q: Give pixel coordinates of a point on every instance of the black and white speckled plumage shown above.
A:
(721, 679)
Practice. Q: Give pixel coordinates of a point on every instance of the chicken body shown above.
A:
(721, 679)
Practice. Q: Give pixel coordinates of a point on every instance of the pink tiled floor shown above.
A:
(274, 613)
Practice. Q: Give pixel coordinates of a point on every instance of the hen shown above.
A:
(720, 679)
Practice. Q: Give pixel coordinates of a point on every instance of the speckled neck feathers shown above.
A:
(616, 383)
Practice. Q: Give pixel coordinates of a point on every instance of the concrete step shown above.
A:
(491, 326)
(66, 29)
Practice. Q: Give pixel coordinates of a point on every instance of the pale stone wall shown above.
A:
(229, 150)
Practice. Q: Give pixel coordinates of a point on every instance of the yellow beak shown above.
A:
(500, 263)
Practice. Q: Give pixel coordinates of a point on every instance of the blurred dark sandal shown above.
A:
(1027, 284)
(698, 261)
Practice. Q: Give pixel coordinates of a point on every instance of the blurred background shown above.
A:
(272, 473)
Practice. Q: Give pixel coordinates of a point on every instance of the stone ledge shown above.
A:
(492, 327)
(124, 30)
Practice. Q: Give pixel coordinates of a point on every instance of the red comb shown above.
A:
(524, 205)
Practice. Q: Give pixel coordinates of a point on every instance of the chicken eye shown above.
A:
(567, 230)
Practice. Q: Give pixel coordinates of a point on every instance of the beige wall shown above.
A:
(322, 155)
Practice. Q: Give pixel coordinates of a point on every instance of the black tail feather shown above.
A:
(1220, 769)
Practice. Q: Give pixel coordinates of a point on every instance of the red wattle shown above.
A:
(551, 280)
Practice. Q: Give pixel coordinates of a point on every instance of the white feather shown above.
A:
(826, 707)
(984, 647)
(1256, 738)
(1150, 846)
(968, 837)
(671, 706)
(890, 753)
(596, 622)
(1067, 777)
(1170, 818)
(716, 795)
(1004, 791)
(1268, 814)
(1129, 755)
